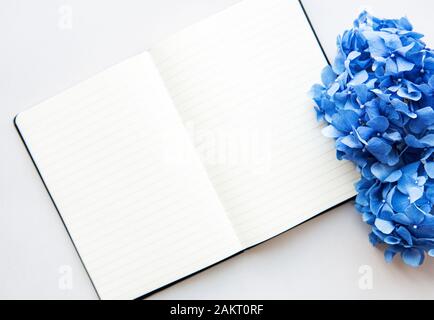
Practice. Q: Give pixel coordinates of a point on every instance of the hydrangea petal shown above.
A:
(391, 67)
(408, 186)
(391, 40)
(403, 108)
(379, 123)
(413, 142)
(389, 254)
(377, 46)
(384, 226)
(401, 218)
(379, 149)
(393, 136)
(405, 234)
(359, 78)
(382, 171)
(338, 65)
(405, 49)
(429, 168)
(392, 240)
(399, 201)
(425, 118)
(328, 76)
(394, 176)
(331, 132)
(404, 65)
(351, 141)
(412, 257)
(415, 214)
(428, 140)
(429, 63)
(410, 95)
(333, 89)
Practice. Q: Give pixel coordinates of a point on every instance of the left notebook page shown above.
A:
(127, 182)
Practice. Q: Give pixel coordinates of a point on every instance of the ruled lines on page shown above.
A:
(240, 82)
(140, 213)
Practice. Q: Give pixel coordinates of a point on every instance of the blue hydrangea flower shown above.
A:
(377, 100)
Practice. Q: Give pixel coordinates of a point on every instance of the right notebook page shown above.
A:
(240, 82)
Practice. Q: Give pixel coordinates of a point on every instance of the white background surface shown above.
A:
(41, 54)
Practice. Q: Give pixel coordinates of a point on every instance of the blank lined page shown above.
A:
(127, 181)
(240, 81)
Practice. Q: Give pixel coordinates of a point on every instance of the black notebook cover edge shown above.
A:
(54, 203)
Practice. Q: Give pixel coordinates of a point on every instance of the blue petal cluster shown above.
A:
(377, 99)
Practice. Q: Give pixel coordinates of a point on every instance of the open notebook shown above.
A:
(183, 156)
